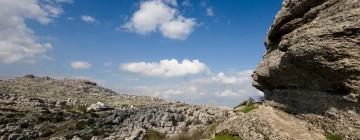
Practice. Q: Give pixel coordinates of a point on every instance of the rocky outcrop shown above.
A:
(312, 63)
(44, 108)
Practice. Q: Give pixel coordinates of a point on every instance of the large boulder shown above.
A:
(313, 55)
(311, 67)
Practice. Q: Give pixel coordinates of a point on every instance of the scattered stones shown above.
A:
(76, 109)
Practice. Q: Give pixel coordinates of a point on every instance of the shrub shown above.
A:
(194, 135)
(330, 136)
(226, 137)
(152, 134)
(250, 106)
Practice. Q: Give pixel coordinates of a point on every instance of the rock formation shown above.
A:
(312, 64)
(45, 108)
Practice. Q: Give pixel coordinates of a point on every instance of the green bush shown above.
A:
(330, 136)
(248, 107)
(152, 134)
(226, 137)
(194, 135)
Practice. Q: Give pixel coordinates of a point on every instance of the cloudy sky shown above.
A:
(195, 51)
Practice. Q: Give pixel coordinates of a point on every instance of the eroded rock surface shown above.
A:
(312, 64)
(45, 108)
(267, 123)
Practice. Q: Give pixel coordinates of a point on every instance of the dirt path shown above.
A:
(268, 123)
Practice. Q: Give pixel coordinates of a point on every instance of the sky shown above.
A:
(193, 51)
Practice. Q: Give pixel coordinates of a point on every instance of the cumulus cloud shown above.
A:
(166, 68)
(80, 65)
(88, 19)
(159, 15)
(236, 78)
(178, 28)
(17, 41)
(210, 12)
(204, 90)
(228, 93)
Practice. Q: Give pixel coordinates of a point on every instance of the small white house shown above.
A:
(99, 106)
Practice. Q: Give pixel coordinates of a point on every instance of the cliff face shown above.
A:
(313, 56)
(312, 64)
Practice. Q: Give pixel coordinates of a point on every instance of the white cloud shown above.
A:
(204, 90)
(166, 68)
(228, 93)
(88, 19)
(18, 43)
(236, 78)
(178, 28)
(210, 12)
(222, 78)
(158, 15)
(80, 65)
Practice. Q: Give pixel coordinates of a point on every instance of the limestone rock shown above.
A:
(268, 123)
(38, 108)
(313, 46)
(312, 63)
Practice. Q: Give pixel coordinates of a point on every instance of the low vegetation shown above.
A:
(226, 137)
(247, 106)
(194, 135)
(330, 136)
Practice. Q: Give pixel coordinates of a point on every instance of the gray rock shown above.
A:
(312, 63)
(76, 138)
(57, 138)
(60, 103)
(58, 108)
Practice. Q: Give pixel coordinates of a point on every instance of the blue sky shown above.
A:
(199, 51)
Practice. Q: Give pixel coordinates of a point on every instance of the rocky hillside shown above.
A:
(312, 64)
(44, 108)
(310, 76)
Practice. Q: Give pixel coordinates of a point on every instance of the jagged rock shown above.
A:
(57, 138)
(58, 108)
(73, 102)
(60, 103)
(313, 47)
(76, 138)
(30, 76)
(312, 63)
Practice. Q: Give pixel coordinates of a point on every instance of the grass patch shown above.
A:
(248, 107)
(194, 135)
(154, 135)
(226, 137)
(214, 126)
(330, 136)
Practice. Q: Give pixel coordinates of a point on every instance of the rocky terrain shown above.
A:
(44, 108)
(311, 68)
(310, 75)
